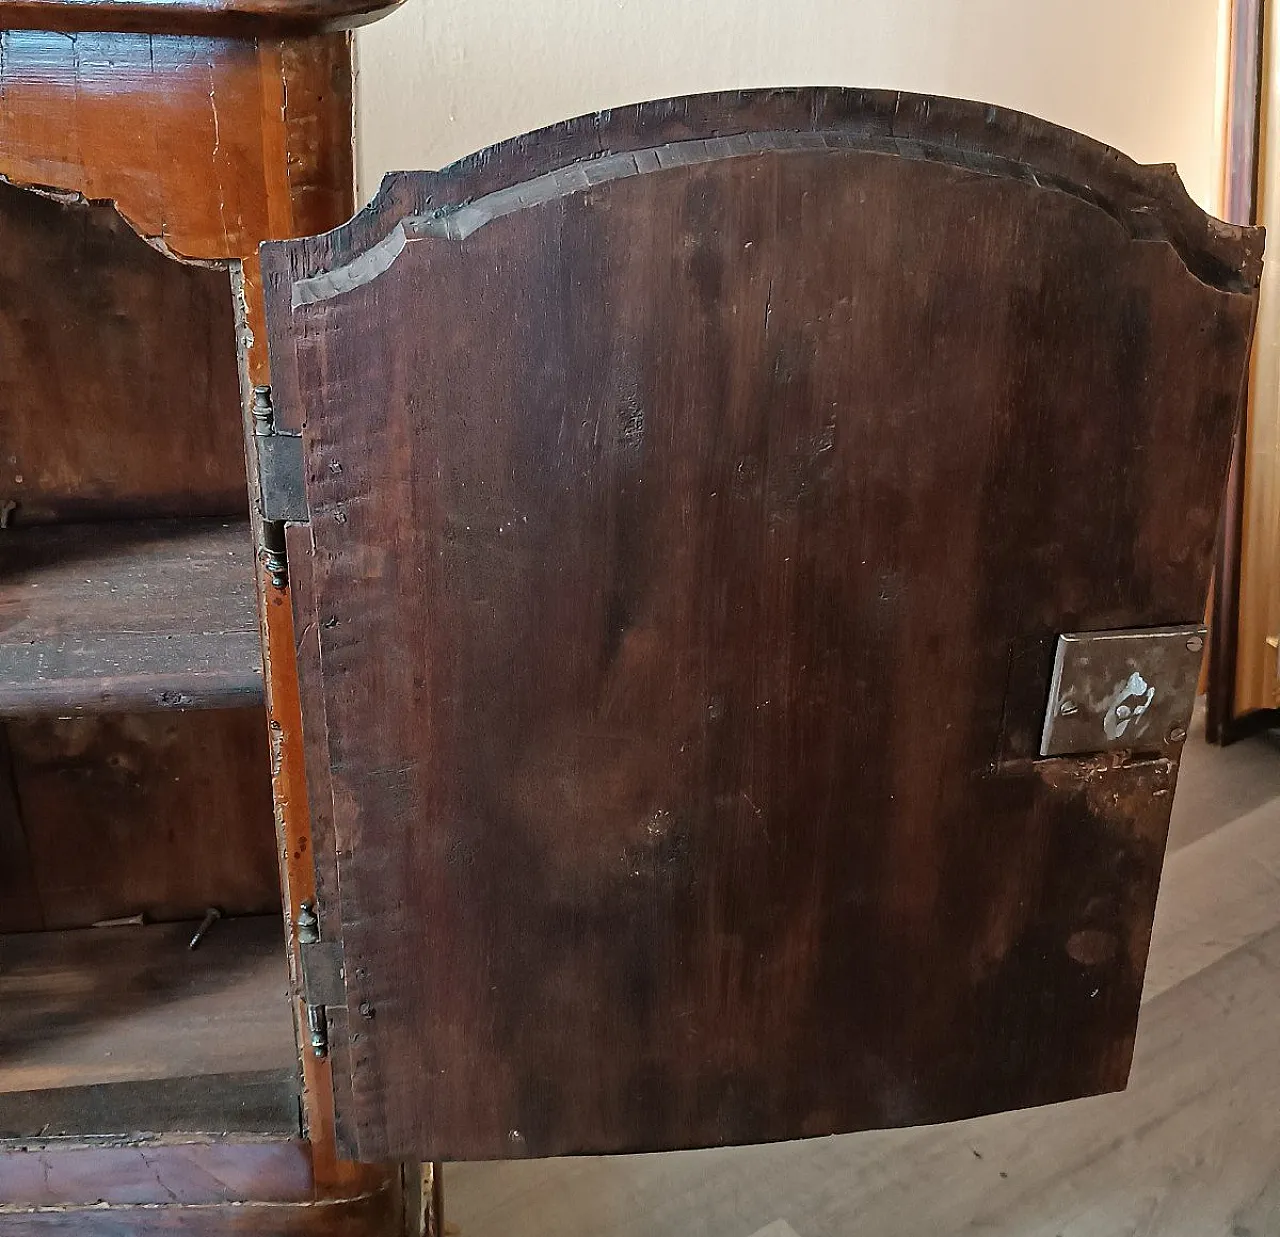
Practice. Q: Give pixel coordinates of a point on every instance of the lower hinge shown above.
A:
(282, 492)
(323, 981)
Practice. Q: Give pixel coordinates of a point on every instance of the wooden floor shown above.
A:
(1192, 1149)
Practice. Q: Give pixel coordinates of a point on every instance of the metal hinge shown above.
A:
(282, 494)
(323, 982)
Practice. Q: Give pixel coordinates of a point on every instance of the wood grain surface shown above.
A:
(128, 1004)
(250, 1103)
(245, 19)
(120, 394)
(1190, 1149)
(206, 143)
(194, 1173)
(206, 146)
(118, 383)
(162, 813)
(198, 1190)
(692, 518)
(128, 616)
(19, 898)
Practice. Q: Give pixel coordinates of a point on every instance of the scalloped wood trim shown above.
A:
(1149, 200)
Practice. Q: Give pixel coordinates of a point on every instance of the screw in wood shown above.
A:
(211, 916)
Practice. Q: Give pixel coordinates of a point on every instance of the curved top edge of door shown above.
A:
(1149, 200)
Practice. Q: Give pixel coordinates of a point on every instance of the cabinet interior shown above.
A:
(134, 775)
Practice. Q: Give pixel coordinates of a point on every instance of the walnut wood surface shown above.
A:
(133, 1004)
(120, 395)
(199, 1190)
(247, 1103)
(237, 18)
(118, 383)
(19, 897)
(193, 1173)
(126, 812)
(162, 813)
(206, 146)
(690, 533)
(127, 616)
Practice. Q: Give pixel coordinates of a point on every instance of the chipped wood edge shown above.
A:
(1151, 201)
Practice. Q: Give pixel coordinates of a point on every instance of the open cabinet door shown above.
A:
(695, 497)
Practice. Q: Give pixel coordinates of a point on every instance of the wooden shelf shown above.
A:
(128, 616)
(106, 1030)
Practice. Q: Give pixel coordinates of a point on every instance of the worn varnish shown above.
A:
(691, 526)
(114, 116)
(198, 1190)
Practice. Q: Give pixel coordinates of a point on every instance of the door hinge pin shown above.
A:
(318, 1030)
(281, 490)
(263, 413)
(312, 955)
(308, 924)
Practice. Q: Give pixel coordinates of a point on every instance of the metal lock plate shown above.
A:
(1122, 690)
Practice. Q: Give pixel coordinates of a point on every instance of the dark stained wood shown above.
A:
(128, 616)
(241, 18)
(690, 533)
(135, 1004)
(19, 898)
(261, 1102)
(162, 813)
(195, 1173)
(1087, 167)
(363, 1215)
(118, 381)
(1240, 200)
(197, 1189)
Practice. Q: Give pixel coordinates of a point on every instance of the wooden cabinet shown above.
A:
(664, 527)
(147, 150)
